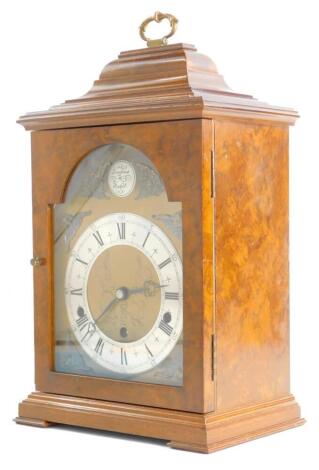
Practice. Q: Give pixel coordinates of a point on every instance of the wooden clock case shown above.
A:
(224, 155)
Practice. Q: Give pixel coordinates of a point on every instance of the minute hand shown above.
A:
(107, 308)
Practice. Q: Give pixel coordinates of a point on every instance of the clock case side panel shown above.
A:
(176, 149)
(252, 285)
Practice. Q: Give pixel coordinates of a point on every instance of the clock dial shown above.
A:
(123, 292)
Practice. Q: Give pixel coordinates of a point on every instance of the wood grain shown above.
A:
(251, 263)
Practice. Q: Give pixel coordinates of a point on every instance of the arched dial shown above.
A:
(123, 291)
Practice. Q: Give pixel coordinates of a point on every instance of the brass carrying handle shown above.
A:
(158, 17)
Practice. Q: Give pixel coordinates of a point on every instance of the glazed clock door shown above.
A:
(118, 271)
(124, 298)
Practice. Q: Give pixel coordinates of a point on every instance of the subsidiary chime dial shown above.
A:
(124, 293)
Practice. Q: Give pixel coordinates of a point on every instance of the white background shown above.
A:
(52, 51)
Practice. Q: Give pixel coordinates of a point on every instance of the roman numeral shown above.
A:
(172, 295)
(165, 263)
(98, 238)
(99, 346)
(76, 291)
(81, 261)
(123, 357)
(165, 327)
(81, 322)
(90, 331)
(146, 238)
(121, 229)
(148, 350)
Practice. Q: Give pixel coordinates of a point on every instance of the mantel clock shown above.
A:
(160, 218)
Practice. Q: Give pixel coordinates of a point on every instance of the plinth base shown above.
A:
(184, 430)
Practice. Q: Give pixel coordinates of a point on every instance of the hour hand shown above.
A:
(149, 288)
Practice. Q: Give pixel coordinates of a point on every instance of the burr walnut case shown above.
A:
(160, 222)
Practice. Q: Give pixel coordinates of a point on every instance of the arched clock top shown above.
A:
(115, 170)
(114, 177)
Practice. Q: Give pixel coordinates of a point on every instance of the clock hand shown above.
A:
(137, 290)
(124, 293)
(121, 294)
(107, 308)
(148, 289)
